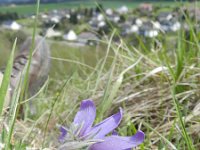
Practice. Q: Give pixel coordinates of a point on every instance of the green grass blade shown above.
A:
(103, 63)
(162, 137)
(26, 78)
(6, 78)
(14, 108)
(179, 115)
(106, 102)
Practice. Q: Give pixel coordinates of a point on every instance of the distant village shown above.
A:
(88, 25)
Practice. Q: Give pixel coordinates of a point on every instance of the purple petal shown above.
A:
(100, 130)
(63, 134)
(119, 143)
(85, 116)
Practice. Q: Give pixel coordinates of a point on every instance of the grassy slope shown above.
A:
(144, 94)
(144, 91)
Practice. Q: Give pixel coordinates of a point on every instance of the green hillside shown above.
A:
(29, 9)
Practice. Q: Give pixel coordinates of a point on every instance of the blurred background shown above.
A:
(74, 28)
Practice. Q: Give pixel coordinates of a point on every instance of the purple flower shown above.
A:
(82, 131)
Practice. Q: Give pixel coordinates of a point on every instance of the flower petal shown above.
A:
(116, 133)
(100, 130)
(85, 116)
(63, 134)
(119, 143)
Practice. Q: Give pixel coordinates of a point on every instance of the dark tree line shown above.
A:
(8, 16)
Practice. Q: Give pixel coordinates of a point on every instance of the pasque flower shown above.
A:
(83, 135)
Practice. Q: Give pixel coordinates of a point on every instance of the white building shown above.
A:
(55, 19)
(109, 11)
(70, 36)
(52, 33)
(12, 25)
(100, 17)
(88, 38)
(122, 10)
(176, 26)
(134, 29)
(151, 33)
(138, 22)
